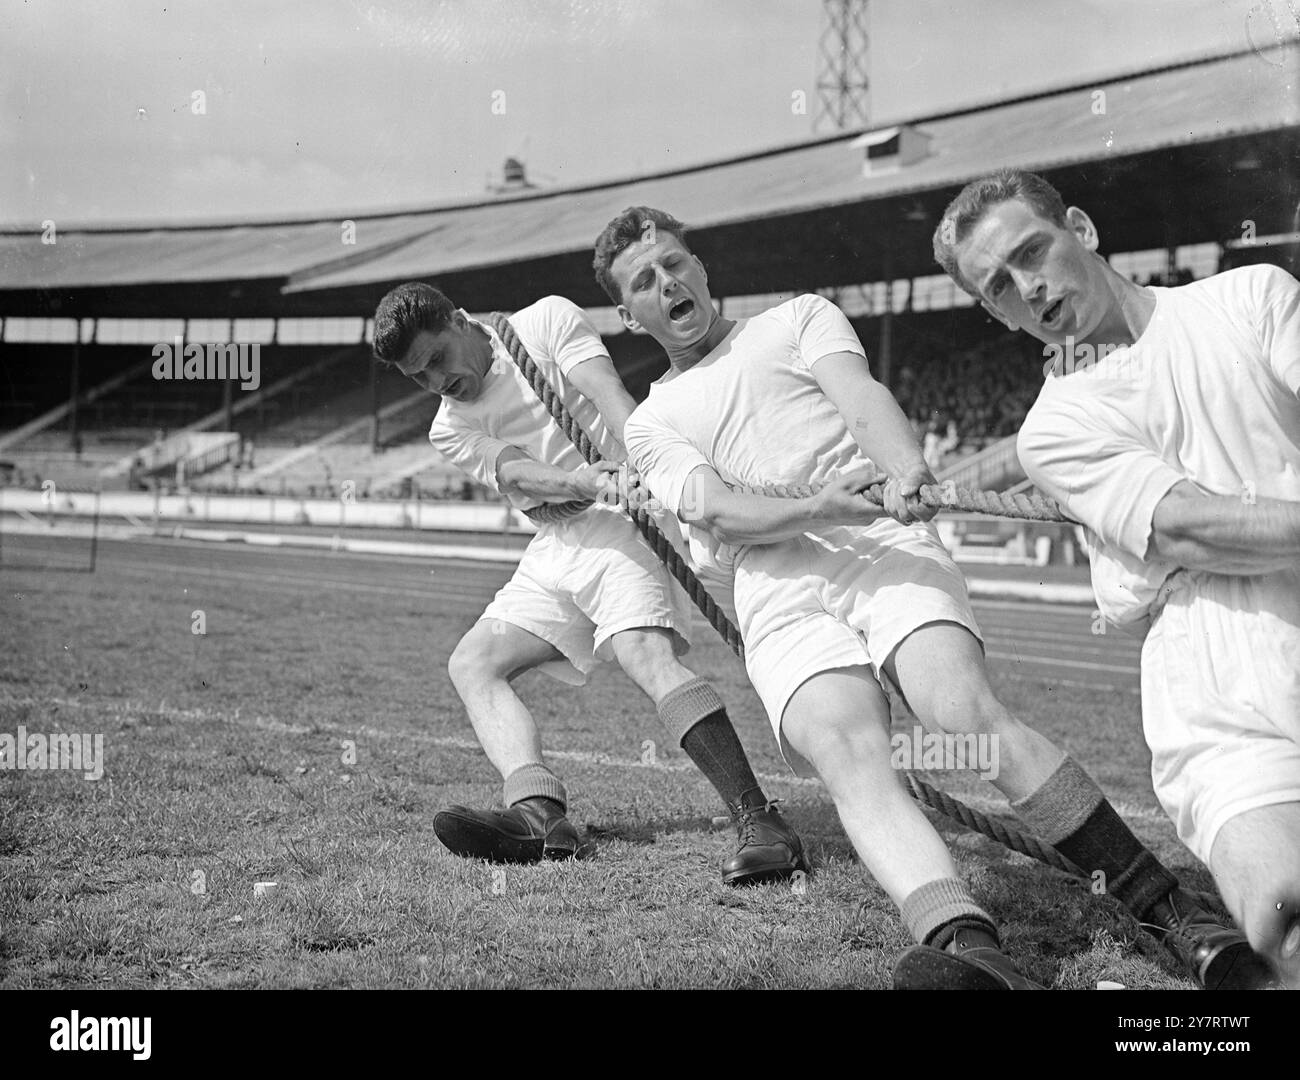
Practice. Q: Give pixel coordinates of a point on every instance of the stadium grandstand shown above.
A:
(1186, 169)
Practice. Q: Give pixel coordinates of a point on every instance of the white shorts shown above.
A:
(845, 597)
(585, 579)
(1221, 699)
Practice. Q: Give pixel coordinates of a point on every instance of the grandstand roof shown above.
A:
(1182, 154)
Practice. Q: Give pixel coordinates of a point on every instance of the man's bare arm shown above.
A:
(1225, 534)
(880, 428)
(598, 381)
(739, 518)
(520, 475)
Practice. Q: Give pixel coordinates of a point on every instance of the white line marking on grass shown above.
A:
(1075, 641)
(993, 804)
(479, 593)
(286, 580)
(1044, 607)
(1029, 659)
(294, 581)
(593, 757)
(1053, 682)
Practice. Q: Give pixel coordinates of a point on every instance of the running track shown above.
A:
(1049, 642)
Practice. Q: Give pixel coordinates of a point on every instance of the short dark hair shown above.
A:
(403, 313)
(624, 231)
(966, 210)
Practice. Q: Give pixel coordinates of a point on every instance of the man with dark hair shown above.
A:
(1169, 425)
(1028, 188)
(835, 599)
(587, 587)
(637, 224)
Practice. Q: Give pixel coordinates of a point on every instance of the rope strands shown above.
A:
(990, 827)
(548, 512)
(551, 400)
(637, 502)
(542, 388)
(947, 496)
(640, 514)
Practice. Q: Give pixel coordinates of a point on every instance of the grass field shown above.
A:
(308, 737)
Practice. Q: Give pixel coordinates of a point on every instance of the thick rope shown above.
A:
(990, 827)
(1006, 835)
(947, 496)
(640, 515)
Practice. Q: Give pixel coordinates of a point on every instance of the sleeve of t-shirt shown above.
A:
(663, 457)
(567, 332)
(1279, 325)
(470, 449)
(820, 329)
(1107, 480)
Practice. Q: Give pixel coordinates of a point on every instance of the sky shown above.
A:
(118, 111)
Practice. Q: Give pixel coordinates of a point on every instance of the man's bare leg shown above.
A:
(1256, 864)
(940, 670)
(839, 721)
(533, 825)
(481, 667)
(696, 719)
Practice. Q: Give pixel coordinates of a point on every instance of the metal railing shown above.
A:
(991, 469)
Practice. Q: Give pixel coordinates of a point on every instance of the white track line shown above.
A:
(993, 804)
(1025, 658)
(295, 583)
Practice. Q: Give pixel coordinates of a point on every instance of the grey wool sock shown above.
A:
(534, 781)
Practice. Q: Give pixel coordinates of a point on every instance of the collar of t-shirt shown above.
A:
(1068, 360)
(675, 372)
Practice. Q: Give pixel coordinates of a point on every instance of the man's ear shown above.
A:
(1083, 228)
(998, 315)
(703, 271)
(627, 318)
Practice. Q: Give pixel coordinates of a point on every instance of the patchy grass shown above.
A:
(307, 739)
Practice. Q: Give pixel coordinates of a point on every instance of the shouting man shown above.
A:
(587, 585)
(835, 598)
(1169, 425)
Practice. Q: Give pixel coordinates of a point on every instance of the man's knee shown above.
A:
(1271, 921)
(840, 711)
(963, 702)
(941, 672)
(1256, 862)
(1268, 911)
(478, 657)
(465, 663)
(834, 741)
(647, 655)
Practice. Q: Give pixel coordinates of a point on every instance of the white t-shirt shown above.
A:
(1209, 393)
(752, 410)
(472, 434)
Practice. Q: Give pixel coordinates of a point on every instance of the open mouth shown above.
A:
(681, 309)
(1052, 312)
